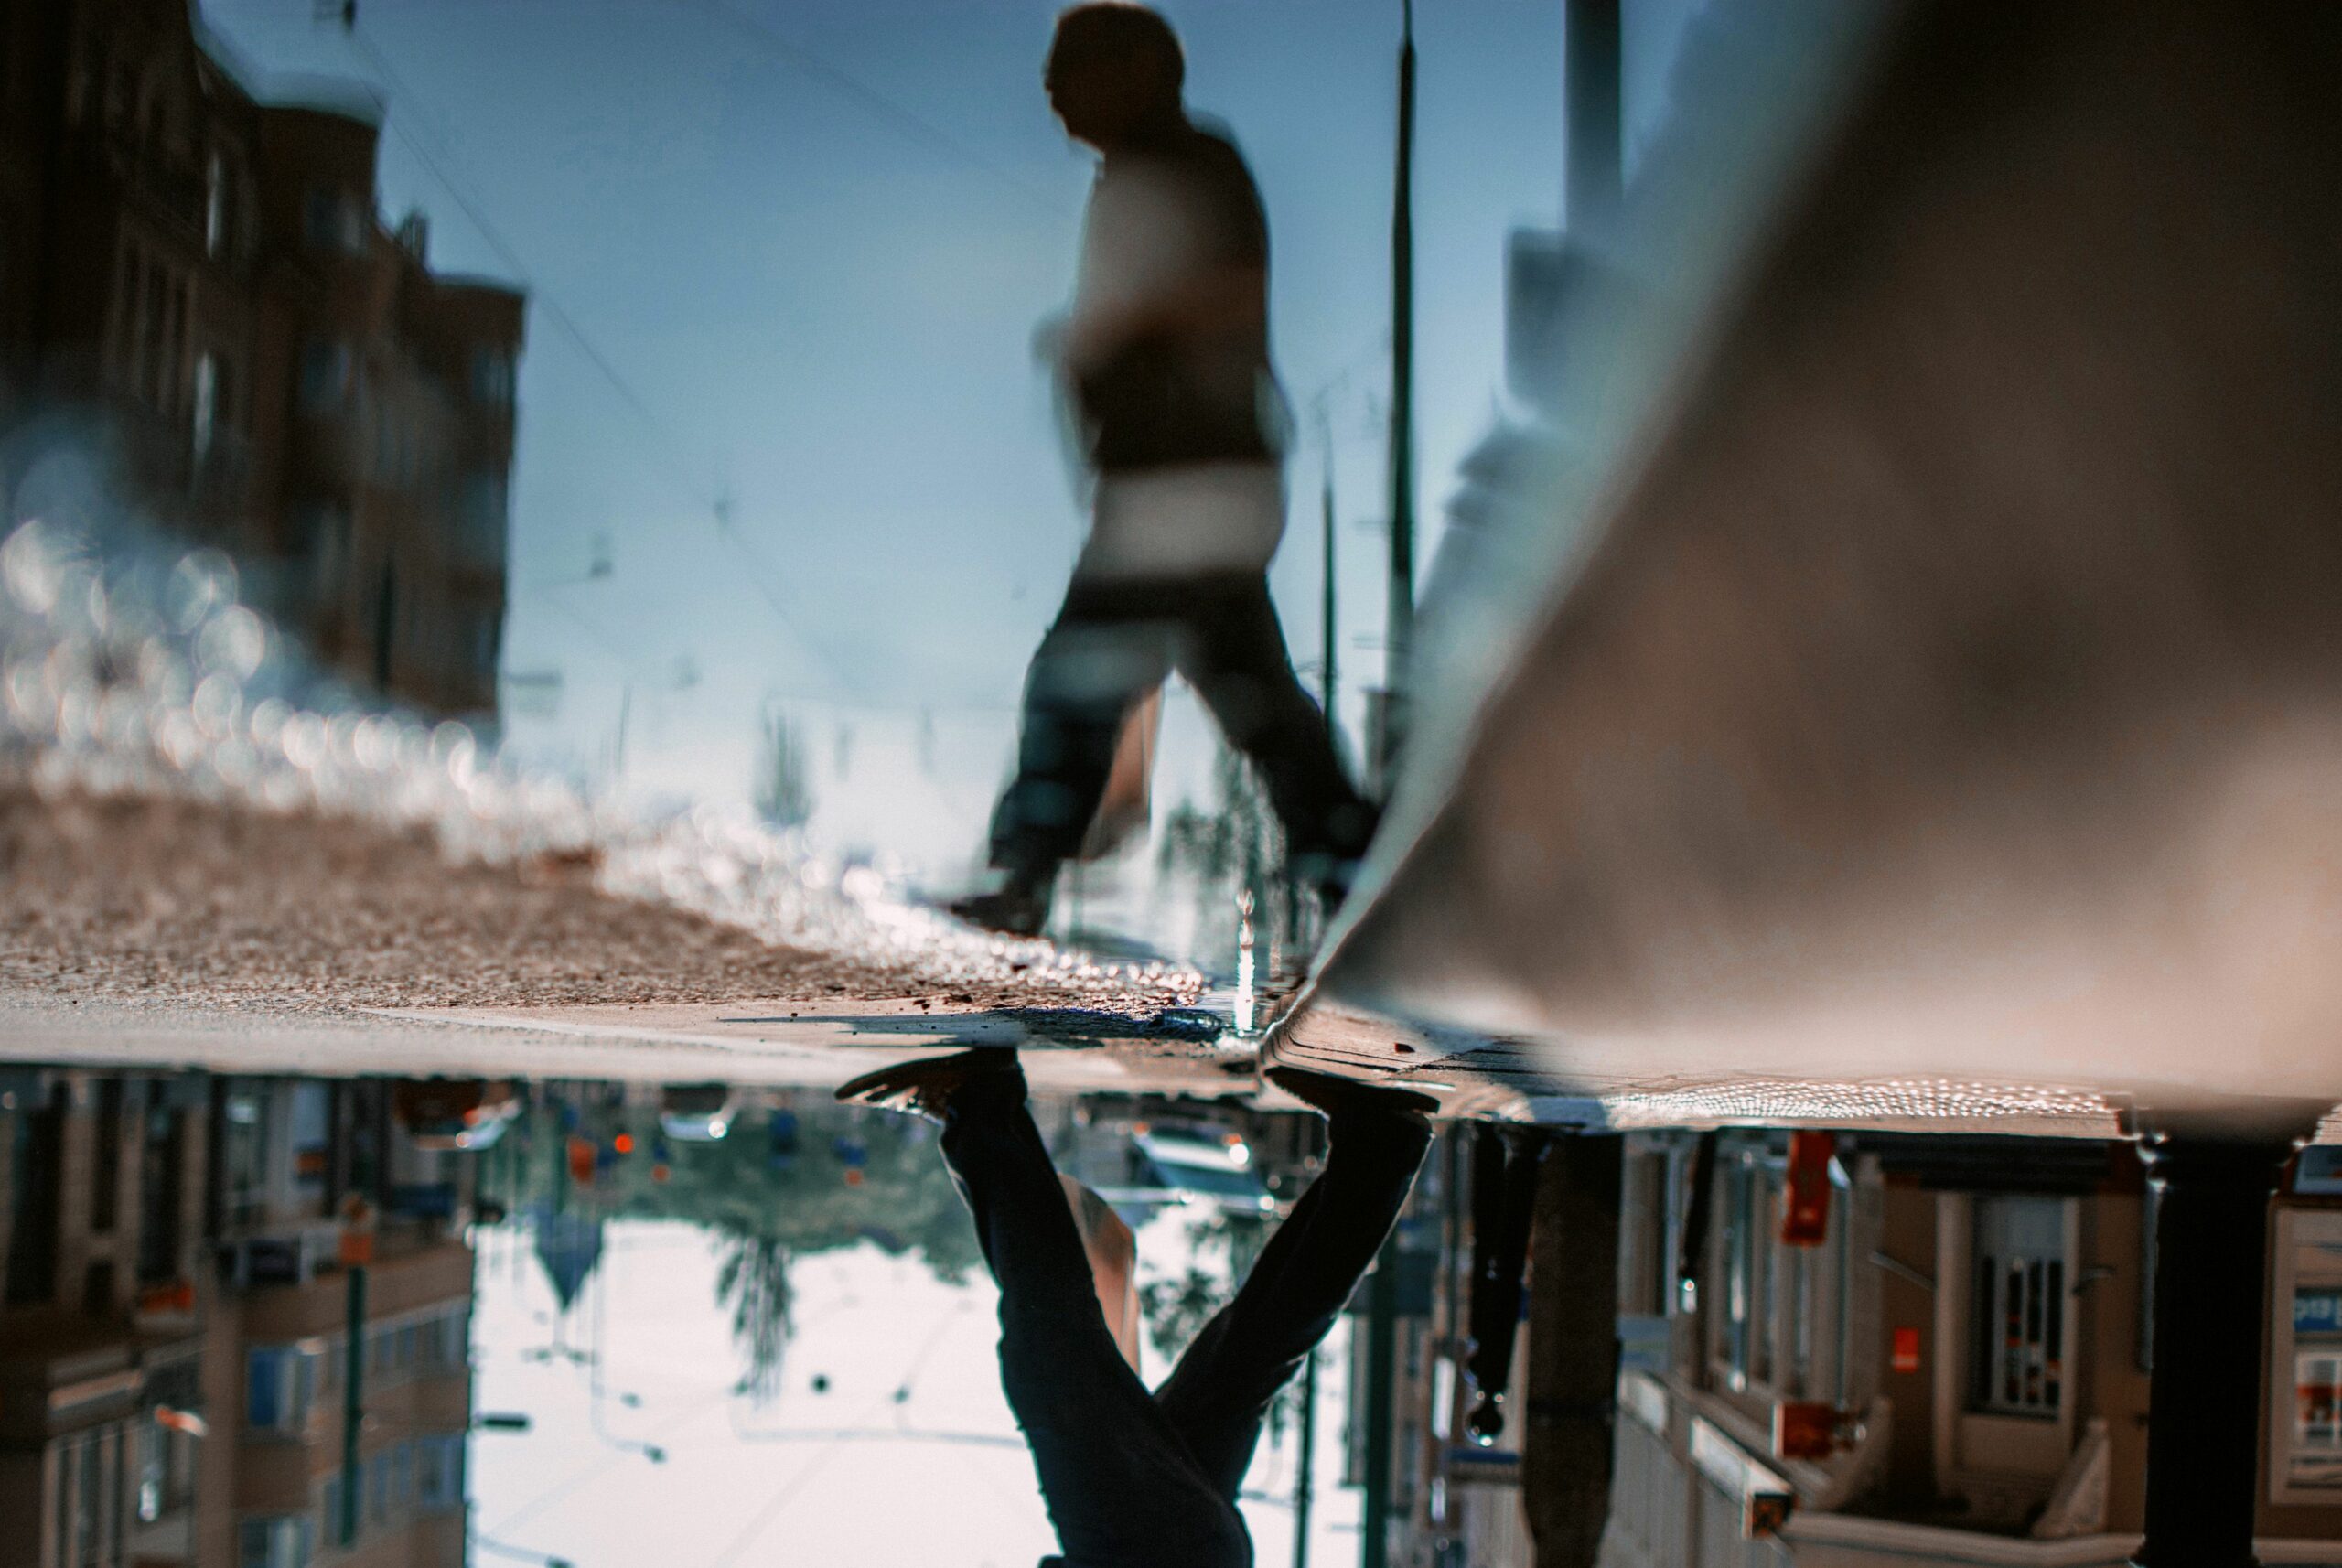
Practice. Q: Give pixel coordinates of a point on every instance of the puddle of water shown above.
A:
(600, 1324)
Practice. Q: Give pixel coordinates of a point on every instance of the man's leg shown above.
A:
(1231, 649)
(1088, 670)
(1218, 1395)
(1122, 1488)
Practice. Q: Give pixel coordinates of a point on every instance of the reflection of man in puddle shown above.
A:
(1166, 354)
(1134, 1479)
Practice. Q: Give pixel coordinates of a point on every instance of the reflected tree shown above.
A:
(1233, 854)
(1223, 1248)
(1236, 841)
(783, 788)
(1175, 1309)
(785, 1184)
(753, 1280)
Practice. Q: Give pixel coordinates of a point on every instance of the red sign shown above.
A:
(1805, 1209)
(356, 1247)
(184, 1421)
(1906, 1350)
(177, 1296)
(1804, 1431)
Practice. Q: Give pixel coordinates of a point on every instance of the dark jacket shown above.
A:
(1177, 210)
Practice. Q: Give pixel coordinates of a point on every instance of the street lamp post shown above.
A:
(357, 1250)
(1304, 1482)
(681, 675)
(353, 1402)
(1382, 1285)
(1398, 630)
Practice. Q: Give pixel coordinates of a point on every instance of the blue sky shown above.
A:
(822, 298)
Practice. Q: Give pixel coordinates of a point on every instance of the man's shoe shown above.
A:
(924, 1087)
(1344, 1097)
(1013, 911)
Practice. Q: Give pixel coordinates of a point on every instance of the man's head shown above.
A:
(1113, 69)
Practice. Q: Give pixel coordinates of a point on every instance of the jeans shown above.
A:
(1113, 642)
(1140, 1480)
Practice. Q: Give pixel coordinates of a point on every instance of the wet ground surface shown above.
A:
(156, 929)
(707, 1323)
(138, 899)
(150, 927)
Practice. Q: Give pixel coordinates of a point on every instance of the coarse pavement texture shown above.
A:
(161, 928)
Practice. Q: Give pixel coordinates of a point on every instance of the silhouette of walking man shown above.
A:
(1165, 354)
(1134, 1479)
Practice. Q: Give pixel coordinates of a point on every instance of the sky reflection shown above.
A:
(877, 1431)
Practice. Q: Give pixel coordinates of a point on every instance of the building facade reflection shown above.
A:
(205, 307)
(178, 1339)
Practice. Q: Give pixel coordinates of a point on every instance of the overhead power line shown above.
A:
(832, 1442)
(577, 618)
(671, 456)
(553, 310)
(877, 104)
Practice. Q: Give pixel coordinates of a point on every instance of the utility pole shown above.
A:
(357, 1250)
(1330, 676)
(1400, 626)
(1382, 1285)
(1381, 1367)
(1593, 103)
(353, 1404)
(1303, 1484)
(2210, 1333)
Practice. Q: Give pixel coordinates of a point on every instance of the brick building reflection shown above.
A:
(196, 286)
(173, 1343)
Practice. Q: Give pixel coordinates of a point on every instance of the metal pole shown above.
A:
(55, 55)
(2211, 1325)
(1382, 1285)
(1303, 1484)
(1330, 681)
(1398, 630)
(1381, 1367)
(1593, 100)
(353, 1402)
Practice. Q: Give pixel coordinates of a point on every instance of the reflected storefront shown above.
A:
(2305, 1348)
